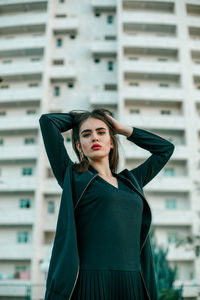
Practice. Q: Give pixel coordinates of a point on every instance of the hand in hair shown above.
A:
(119, 128)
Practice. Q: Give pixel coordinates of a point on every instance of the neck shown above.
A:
(103, 170)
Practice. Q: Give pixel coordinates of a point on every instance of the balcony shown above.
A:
(132, 151)
(151, 67)
(19, 184)
(17, 69)
(16, 217)
(66, 25)
(13, 47)
(104, 48)
(51, 186)
(21, 95)
(169, 94)
(150, 18)
(131, 40)
(29, 21)
(16, 251)
(50, 223)
(104, 5)
(19, 152)
(13, 6)
(165, 183)
(107, 98)
(60, 73)
(19, 122)
(155, 121)
(180, 253)
(172, 217)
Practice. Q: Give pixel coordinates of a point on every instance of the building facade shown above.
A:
(140, 59)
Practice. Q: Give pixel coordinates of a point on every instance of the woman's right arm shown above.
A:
(51, 125)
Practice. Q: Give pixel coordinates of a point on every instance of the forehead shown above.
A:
(92, 123)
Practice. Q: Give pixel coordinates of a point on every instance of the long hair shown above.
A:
(78, 117)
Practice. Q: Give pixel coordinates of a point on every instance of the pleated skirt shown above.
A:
(109, 285)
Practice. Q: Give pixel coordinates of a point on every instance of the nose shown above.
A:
(95, 136)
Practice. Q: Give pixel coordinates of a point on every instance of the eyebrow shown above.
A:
(86, 130)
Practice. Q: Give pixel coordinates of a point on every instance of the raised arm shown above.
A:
(51, 125)
(160, 148)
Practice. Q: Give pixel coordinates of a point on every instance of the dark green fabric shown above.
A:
(109, 285)
(64, 261)
(108, 227)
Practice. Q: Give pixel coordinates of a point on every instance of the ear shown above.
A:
(78, 146)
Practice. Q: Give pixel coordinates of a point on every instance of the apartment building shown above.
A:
(140, 59)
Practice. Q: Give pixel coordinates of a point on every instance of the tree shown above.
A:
(165, 275)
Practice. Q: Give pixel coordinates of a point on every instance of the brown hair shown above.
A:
(78, 117)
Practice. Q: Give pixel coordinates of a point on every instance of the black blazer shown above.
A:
(64, 262)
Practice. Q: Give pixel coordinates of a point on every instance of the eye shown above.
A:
(101, 132)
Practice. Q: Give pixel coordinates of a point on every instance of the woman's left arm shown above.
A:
(160, 148)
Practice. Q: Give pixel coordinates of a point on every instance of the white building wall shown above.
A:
(49, 46)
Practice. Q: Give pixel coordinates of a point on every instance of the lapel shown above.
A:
(82, 180)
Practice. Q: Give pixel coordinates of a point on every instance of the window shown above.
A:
(8, 61)
(134, 111)
(5, 86)
(22, 237)
(133, 58)
(163, 84)
(172, 237)
(58, 62)
(51, 207)
(165, 112)
(50, 173)
(25, 203)
(110, 87)
(110, 65)
(61, 1)
(134, 83)
(59, 42)
(110, 19)
(2, 113)
(97, 14)
(96, 60)
(110, 37)
(56, 91)
(27, 171)
(31, 112)
(33, 84)
(60, 16)
(29, 140)
(70, 85)
(170, 204)
(72, 37)
(162, 59)
(169, 172)
(35, 59)
(1, 141)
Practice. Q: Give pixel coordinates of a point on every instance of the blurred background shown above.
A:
(141, 60)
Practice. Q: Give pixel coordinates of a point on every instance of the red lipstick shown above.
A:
(96, 147)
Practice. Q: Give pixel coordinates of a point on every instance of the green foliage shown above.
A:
(165, 275)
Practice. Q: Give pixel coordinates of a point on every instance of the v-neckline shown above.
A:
(117, 188)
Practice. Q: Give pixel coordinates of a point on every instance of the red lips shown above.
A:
(96, 146)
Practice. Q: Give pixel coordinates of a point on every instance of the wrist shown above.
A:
(126, 130)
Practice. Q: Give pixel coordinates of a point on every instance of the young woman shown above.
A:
(102, 248)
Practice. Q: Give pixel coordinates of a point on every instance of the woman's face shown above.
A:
(94, 131)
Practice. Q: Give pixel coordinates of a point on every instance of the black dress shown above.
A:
(108, 222)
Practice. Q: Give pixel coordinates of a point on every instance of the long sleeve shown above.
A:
(160, 148)
(52, 124)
